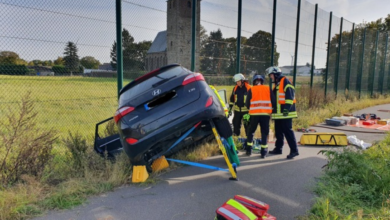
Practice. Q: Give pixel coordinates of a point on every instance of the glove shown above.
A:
(246, 117)
(285, 112)
(230, 112)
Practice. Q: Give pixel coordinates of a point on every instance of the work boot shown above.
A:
(263, 151)
(248, 148)
(275, 151)
(292, 155)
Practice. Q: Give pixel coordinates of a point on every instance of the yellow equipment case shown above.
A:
(331, 139)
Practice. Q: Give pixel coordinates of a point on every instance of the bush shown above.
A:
(24, 148)
(355, 182)
(60, 70)
(77, 146)
(11, 69)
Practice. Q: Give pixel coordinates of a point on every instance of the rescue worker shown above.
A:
(259, 103)
(237, 99)
(283, 112)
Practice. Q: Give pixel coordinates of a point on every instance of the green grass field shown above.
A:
(63, 103)
(66, 104)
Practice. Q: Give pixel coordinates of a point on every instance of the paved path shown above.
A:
(195, 193)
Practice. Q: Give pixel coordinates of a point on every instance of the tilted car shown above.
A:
(156, 109)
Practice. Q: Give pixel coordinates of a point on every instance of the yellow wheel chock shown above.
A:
(160, 164)
(140, 174)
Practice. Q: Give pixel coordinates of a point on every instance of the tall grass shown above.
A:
(355, 184)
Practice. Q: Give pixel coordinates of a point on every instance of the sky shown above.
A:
(39, 29)
(356, 11)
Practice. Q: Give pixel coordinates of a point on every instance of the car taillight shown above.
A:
(192, 78)
(131, 140)
(209, 101)
(120, 113)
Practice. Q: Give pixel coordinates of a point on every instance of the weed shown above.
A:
(355, 184)
(77, 146)
(25, 149)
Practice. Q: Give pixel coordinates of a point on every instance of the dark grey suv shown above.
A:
(156, 109)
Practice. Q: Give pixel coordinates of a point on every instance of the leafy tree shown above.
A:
(9, 57)
(382, 25)
(257, 52)
(71, 58)
(231, 52)
(113, 55)
(90, 62)
(133, 53)
(212, 53)
(59, 61)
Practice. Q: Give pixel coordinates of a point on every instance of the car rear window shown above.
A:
(143, 86)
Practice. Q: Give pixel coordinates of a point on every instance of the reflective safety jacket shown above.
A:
(220, 100)
(285, 99)
(259, 100)
(238, 97)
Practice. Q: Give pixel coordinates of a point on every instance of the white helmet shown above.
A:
(238, 77)
(274, 70)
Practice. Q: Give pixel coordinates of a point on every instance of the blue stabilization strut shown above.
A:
(197, 164)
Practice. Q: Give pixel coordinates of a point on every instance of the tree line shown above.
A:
(359, 60)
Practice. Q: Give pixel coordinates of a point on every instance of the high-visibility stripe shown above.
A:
(241, 208)
(264, 146)
(280, 115)
(289, 101)
(288, 86)
(249, 144)
(261, 108)
(242, 109)
(267, 114)
(228, 213)
(258, 102)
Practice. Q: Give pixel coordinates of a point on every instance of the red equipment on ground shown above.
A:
(243, 207)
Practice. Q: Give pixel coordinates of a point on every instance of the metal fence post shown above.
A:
(119, 49)
(327, 56)
(273, 33)
(193, 35)
(362, 61)
(350, 59)
(273, 38)
(314, 46)
(384, 63)
(296, 42)
(375, 55)
(239, 36)
(336, 77)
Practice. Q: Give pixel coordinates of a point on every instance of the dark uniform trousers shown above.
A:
(283, 128)
(263, 121)
(237, 119)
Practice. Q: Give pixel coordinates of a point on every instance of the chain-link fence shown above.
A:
(64, 53)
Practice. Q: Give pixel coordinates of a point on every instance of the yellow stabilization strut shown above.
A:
(222, 148)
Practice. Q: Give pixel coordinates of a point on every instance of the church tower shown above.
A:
(179, 27)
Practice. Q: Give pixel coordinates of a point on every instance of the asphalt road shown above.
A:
(191, 193)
